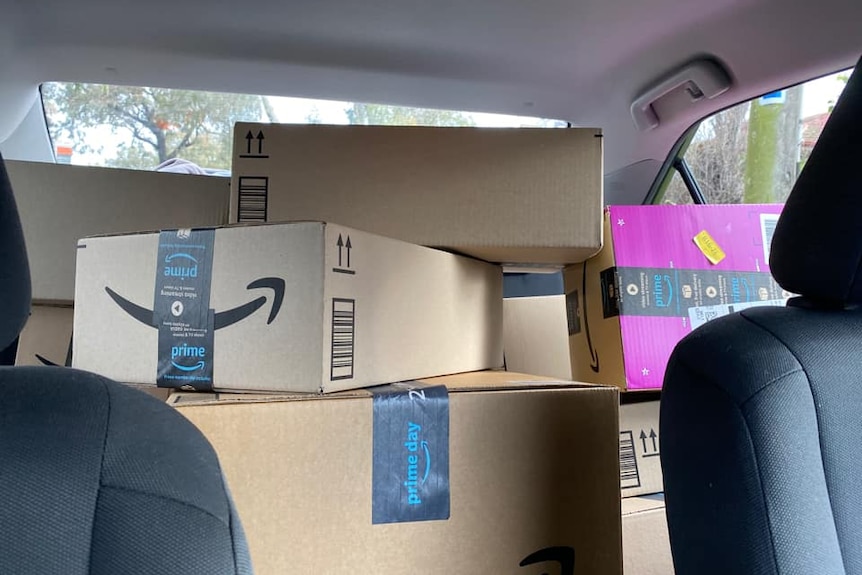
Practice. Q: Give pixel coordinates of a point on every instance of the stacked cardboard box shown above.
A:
(488, 472)
(522, 196)
(483, 471)
(663, 272)
(307, 307)
(59, 204)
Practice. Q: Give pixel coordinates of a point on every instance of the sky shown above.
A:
(818, 94)
(296, 110)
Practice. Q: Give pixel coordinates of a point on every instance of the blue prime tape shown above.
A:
(410, 472)
(182, 310)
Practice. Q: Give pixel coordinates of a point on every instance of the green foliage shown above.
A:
(162, 124)
(843, 79)
(382, 115)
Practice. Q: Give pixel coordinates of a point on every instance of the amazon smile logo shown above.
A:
(221, 319)
(562, 556)
(181, 265)
(185, 351)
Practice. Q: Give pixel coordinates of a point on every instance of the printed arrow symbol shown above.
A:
(348, 245)
(653, 435)
(259, 142)
(248, 138)
(643, 439)
(340, 244)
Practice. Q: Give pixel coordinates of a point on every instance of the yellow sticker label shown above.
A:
(709, 248)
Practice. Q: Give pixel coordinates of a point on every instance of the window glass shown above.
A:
(140, 128)
(677, 193)
(753, 152)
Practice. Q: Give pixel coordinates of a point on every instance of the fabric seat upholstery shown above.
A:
(99, 478)
(761, 415)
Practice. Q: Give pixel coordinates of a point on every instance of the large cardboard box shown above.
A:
(47, 337)
(305, 306)
(640, 448)
(59, 204)
(502, 195)
(521, 477)
(646, 544)
(535, 339)
(664, 271)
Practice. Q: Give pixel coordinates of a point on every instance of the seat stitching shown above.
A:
(101, 472)
(817, 419)
(166, 498)
(708, 377)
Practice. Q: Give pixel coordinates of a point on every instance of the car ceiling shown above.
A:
(582, 61)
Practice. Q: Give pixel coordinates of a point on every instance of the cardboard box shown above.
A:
(47, 337)
(531, 475)
(503, 195)
(59, 204)
(535, 339)
(646, 544)
(664, 271)
(304, 307)
(640, 449)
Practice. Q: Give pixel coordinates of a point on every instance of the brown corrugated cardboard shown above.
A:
(640, 449)
(646, 545)
(47, 337)
(535, 339)
(502, 195)
(532, 466)
(291, 307)
(59, 204)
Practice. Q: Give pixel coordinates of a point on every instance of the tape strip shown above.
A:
(182, 310)
(410, 471)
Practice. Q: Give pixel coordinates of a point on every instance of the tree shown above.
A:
(382, 115)
(160, 124)
(716, 158)
(746, 154)
(772, 162)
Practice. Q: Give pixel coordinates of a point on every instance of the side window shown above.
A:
(753, 152)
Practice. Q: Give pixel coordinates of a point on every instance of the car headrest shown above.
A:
(817, 246)
(14, 269)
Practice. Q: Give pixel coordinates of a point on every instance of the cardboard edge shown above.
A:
(189, 398)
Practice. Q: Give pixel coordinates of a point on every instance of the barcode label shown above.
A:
(697, 316)
(253, 194)
(767, 230)
(343, 334)
(629, 476)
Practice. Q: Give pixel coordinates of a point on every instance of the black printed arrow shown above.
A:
(260, 142)
(248, 138)
(340, 244)
(643, 439)
(221, 319)
(653, 435)
(348, 245)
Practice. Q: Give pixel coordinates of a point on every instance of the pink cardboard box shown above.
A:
(664, 271)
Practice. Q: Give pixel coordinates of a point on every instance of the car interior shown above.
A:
(747, 457)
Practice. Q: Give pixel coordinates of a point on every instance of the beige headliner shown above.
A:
(577, 60)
